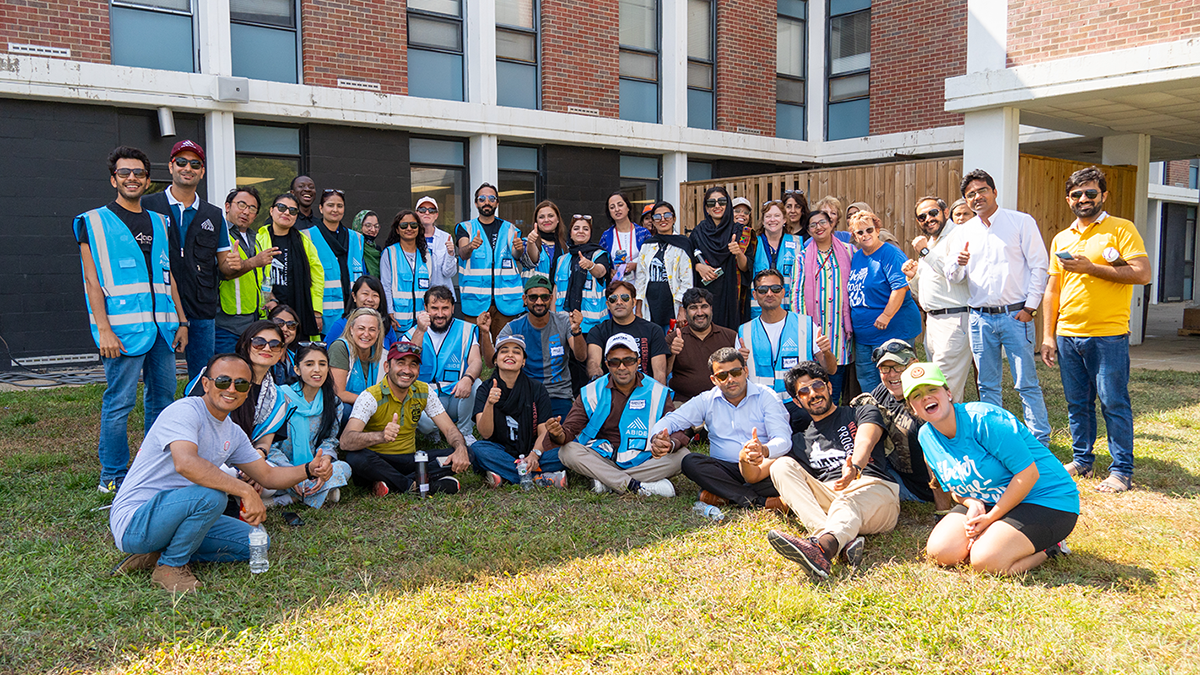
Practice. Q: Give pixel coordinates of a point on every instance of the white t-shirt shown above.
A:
(774, 330)
(366, 405)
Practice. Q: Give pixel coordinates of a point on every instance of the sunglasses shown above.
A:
(183, 161)
(771, 201)
(260, 342)
(773, 288)
(426, 209)
(285, 324)
(580, 216)
(814, 388)
(732, 372)
(860, 233)
(628, 362)
(719, 201)
(623, 297)
(408, 225)
(931, 213)
(137, 173)
(222, 382)
(891, 348)
(313, 343)
(663, 216)
(293, 210)
(975, 193)
(248, 207)
(331, 191)
(792, 193)
(490, 199)
(1090, 194)
(538, 297)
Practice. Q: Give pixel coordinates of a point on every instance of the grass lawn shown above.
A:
(573, 582)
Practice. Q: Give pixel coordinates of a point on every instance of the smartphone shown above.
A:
(292, 519)
(1065, 255)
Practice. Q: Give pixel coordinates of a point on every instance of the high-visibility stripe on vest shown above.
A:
(243, 294)
(442, 368)
(786, 263)
(795, 345)
(642, 411)
(407, 286)
(361, 375)
(137, 301)
(491, 275)
(593, 308)
(334, 303)
(543, 263)
(408, 413)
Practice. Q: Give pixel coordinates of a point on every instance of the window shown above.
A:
(264, 37)
(849, 108)
(699, 170)
(1193, 173)
(641, 179)
(639, 60)
(517, 54)
(519, 178)
(700, 64)
(790, 68)
(435, 49)
(267, 159)
(153, 34)
(438, 170)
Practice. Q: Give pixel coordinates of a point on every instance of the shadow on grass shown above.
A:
(1083, 568)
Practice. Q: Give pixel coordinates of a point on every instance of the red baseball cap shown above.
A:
(403, 348)
(188, 145)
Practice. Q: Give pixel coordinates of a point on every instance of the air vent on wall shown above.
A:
(748, 130)
(38, 50)
(358, 84)
(576, 110)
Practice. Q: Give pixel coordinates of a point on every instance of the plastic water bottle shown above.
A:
(708, 511)
(523, 472)
(422, 460)
(258, 550)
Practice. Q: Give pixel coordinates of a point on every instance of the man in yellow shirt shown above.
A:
(1093, 267)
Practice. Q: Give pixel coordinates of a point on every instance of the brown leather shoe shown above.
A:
(135, 562)
(709, 498)
(776, 504)
(175, 579)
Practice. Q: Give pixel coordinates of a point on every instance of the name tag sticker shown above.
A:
(637, 405)
(556, 351)
(167, 277)
(506, 264)
(790, 361)
(127, 263)
(789, 244)
(587, 286)
(422, 283)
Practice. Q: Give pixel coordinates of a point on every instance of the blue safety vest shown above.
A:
(408, 286)
(491, 275)
(795, 345)
(593, 308)
(334, 303)
(361, 375)
(442, 368)
(137, 301)
(642, 411)
(543, 263)
(786, 263)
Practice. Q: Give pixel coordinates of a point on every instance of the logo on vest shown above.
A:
(789, 344)
(637, 426)
(207, 225)
(454, 362)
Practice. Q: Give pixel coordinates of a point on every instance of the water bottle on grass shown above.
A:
(708, 511)
(523, 472)
(422, 460)
(258, 550)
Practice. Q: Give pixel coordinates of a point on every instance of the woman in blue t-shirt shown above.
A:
(1017, 504)
(880, 305)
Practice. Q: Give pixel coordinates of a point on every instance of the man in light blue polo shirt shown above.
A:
(741, 417)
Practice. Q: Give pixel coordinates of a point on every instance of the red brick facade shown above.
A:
(1044, 30)
(580, 55)
(78, 25)
(1177, 173)
(364, 40)
(745, 86)
(915, 46)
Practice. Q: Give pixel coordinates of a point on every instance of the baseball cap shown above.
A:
(920, 374)
(514, 339)
(402, 349)
(741, 201)
(622, 340)
(188, 145)
(648, 208)
(537, 281)
(426, 200)
(894, 350)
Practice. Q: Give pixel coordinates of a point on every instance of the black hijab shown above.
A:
(713, 238)
(579, 276)
(516, 403)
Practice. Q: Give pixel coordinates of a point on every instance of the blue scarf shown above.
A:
(300, 422)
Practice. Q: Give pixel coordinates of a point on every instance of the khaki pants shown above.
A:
(582, 459)
(868, 506)
(949, 346)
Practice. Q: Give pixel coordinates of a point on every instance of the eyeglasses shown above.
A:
(426, 209)
(975, 193)
(287, 209)
(623, 297)
(285, 324)
(773, 288)
(246, 207)
(222, 382)
(538, 297)
(890, 348)
(1090, 194)
(260, 342)
(719, 201)
(490, 199)
(732, 372)
(931, 213)
(663, 216)
(814, 388)
(581, 216)
(137, 173)
(183, 161)
(819, 222)
(628, 362)
(331, 191)
(860, 233)
(408, 225)
(891, 368)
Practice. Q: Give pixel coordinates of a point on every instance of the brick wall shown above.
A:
(79, 25)
(1044, 30)
(1177, 173)
(745, 86)
(579, 60)
(355, 39)
(915, 46)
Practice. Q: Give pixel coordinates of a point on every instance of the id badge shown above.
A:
(166, 277)
(423, 284)
(790, 361)
(506, 264)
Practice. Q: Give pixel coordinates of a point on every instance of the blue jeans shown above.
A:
(836, 383)
(224, 341)
(186, 525)
(864, 367)
(201, 337)
(990, 332)
(157, 369)
(559, 407)
(1092, 366)
(489, 456)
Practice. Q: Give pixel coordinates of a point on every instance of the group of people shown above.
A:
(307, 372)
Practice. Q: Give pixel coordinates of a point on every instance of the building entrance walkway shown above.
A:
(1164, 348)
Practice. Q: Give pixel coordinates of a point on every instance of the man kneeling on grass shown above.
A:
(380, 439)
(836, 479)
(168, 512)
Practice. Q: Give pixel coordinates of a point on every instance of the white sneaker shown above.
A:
(660, 488)
(599, 488)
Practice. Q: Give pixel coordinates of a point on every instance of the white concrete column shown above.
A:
(481, 53)
(220, 171)
(991, 141)
(987, 35)
(1133, 149)
(814, 84)
(484, 164)
(216, 45)
(674, 172)
(673, 57)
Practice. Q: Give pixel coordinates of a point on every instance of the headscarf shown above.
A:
(516, 403)
(713, 238)
(371, 250)
(579, 276)
(299, 424)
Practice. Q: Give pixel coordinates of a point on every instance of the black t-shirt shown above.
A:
(824, 445)
(507, 437)
(649, 337)
(284, 268)
(490, 230)
(139, 225)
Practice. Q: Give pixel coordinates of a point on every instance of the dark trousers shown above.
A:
(399, 472)
(725, 480)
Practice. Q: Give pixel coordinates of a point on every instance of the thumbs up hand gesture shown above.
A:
(753, 451)
(233, 259)
(392, 430)
(677, 342)
(534, 238)
(822, 342)
(494, 393)
(518, 244)
(743, 350)
(450, 245)
(965, 256)
(661, 444)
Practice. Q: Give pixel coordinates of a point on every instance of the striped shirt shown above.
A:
(832, 299)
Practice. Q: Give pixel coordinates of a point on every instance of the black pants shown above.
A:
(725, 480)
(399, 472)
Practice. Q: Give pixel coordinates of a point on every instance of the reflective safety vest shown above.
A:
(137, 301)
(243, 294)
(795, 345)
(361, 375)
(491, 275)
(442, 368)
(642, 411)
(408, 411)
(334, 303)
(787, 263)
(407, 285)
(543, 263)
(594, 309)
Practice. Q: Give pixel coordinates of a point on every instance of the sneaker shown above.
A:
(1058, 549)
(657, 488)
(599, 488)
(492, 479)
(107, 487)
(776, 504)
(175, 579)
(444, 486)
(334, 496)
(711, 499)
(379, 489)
(852, 553)
(556, 479)
(135, 562)
(806, 552)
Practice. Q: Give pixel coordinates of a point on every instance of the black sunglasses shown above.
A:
(184, 161)
(408, 225)
(628, 361)
(719, 201)
(426, 209)
(260, 342)
(137, 173)
(340, 193)
(280, 207)
(931, 213)
(1090, 194)
(732, 372)
(623, 297)
(285, 324)
(223, 381)
(773, 288)
(538, 297)
(890, 348)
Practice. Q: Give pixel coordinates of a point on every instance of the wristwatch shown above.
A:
(537, 453)
(858, 471)
(924, 252)
(577, 332)
(184, 324)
